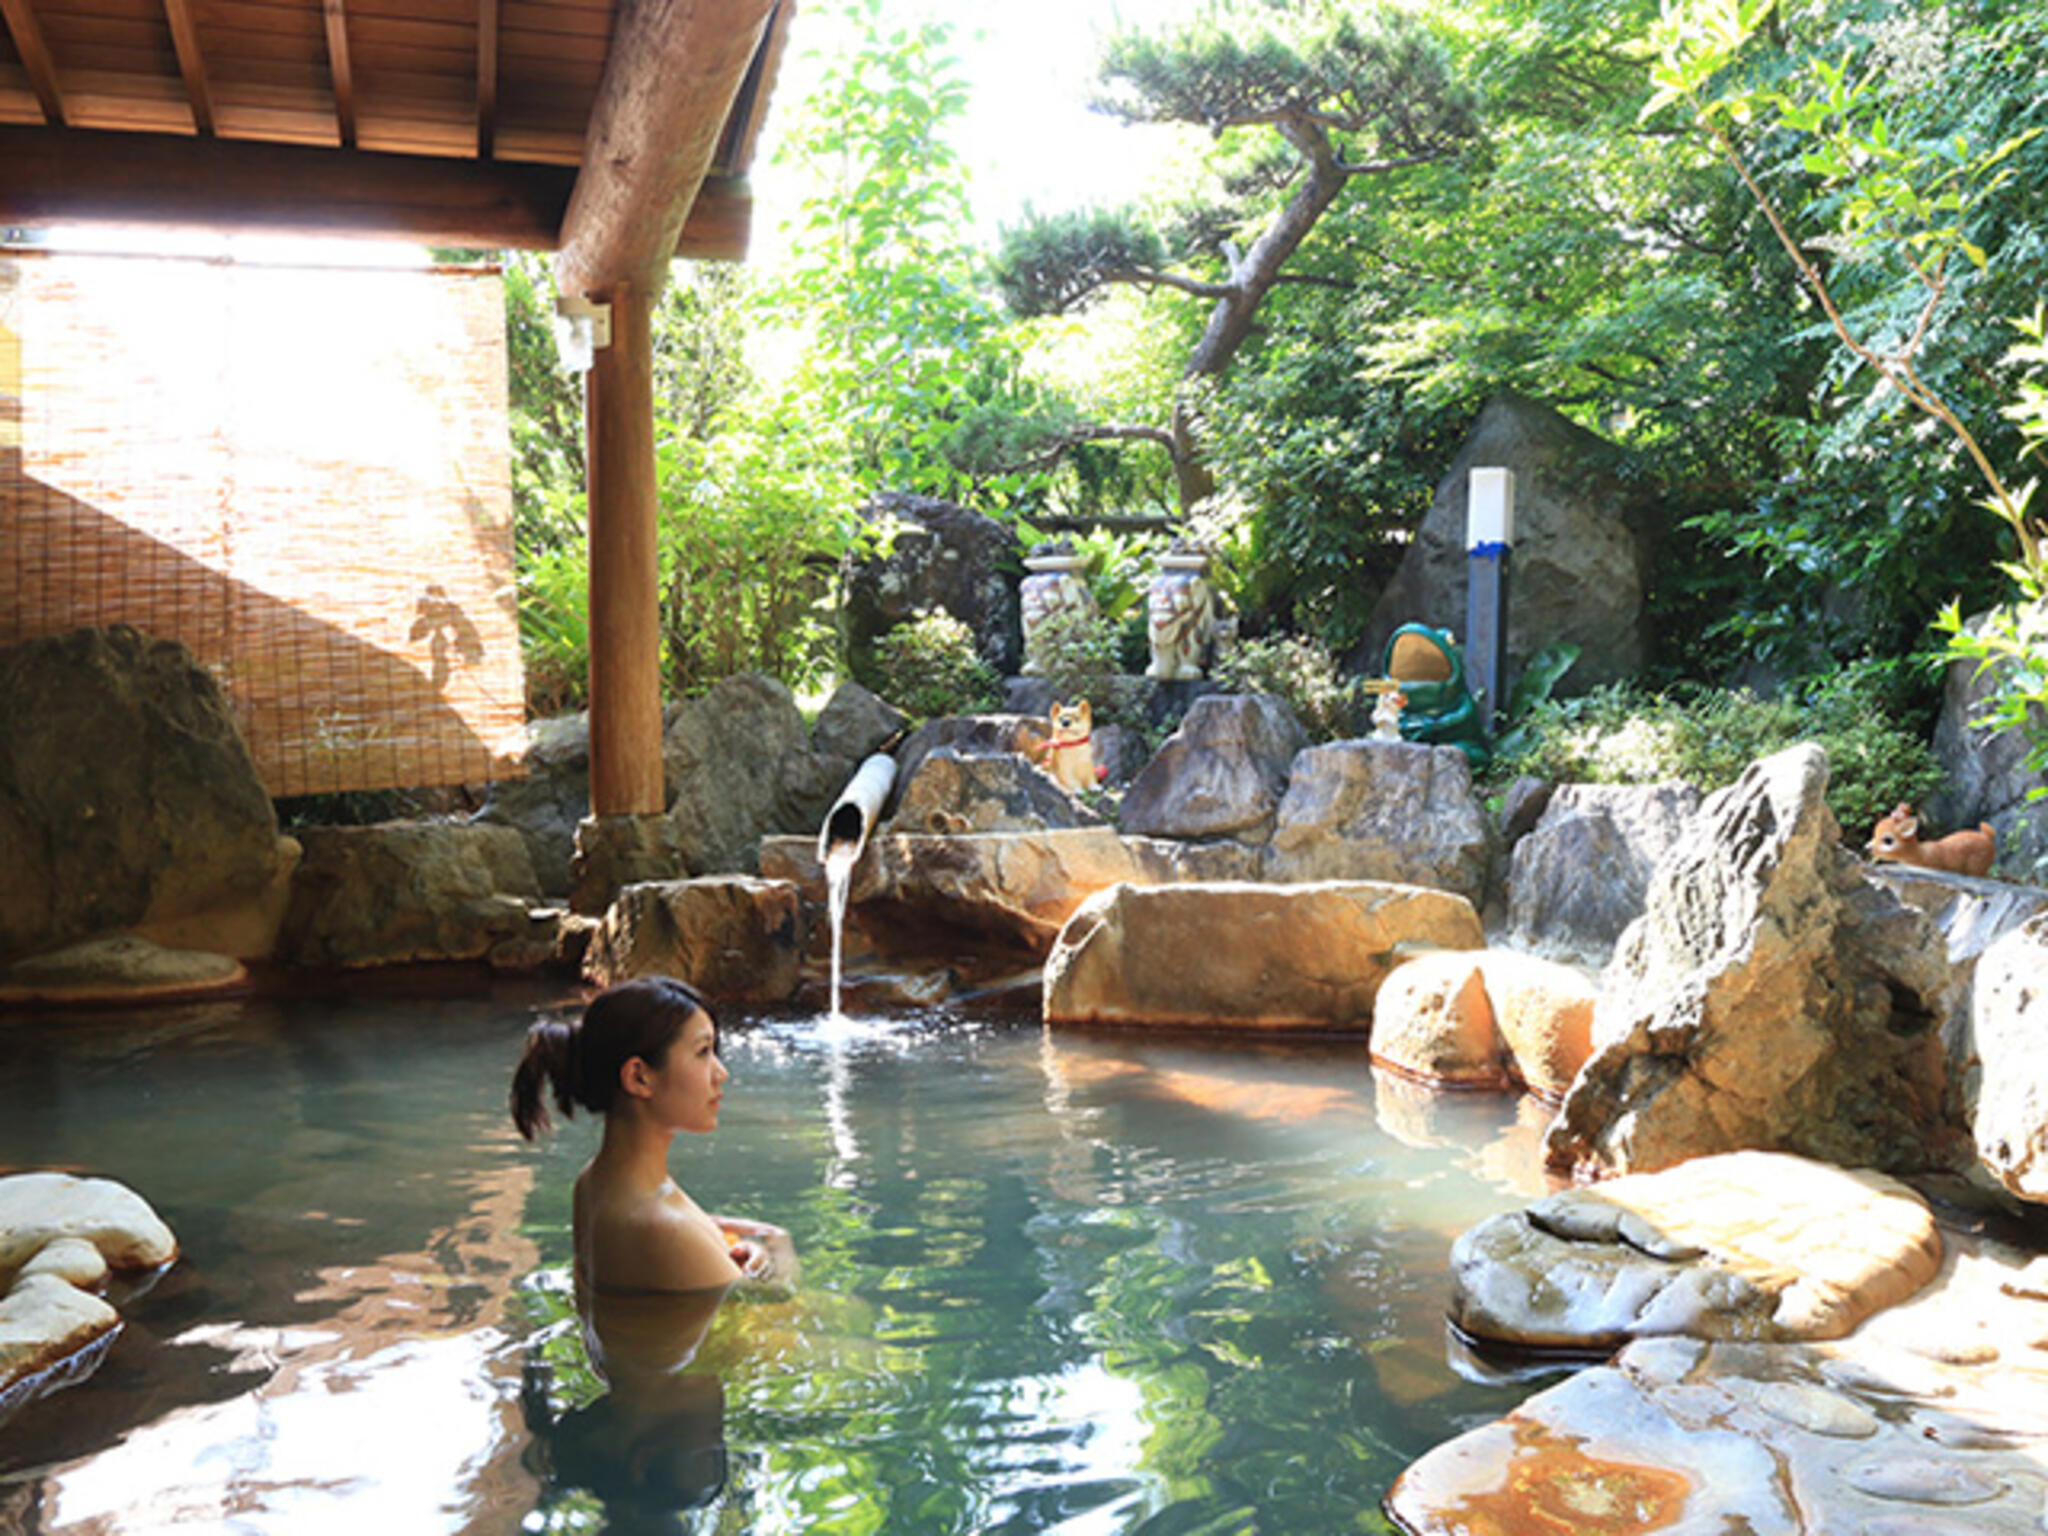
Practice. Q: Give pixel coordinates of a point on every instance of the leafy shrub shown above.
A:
(1622, 735)
(1081, 656)
(1304, 673)
(554, 628)
(930, 667)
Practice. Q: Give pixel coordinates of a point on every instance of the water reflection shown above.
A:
(1052, 1282)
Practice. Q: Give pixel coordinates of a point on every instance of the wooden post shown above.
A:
(625, 608)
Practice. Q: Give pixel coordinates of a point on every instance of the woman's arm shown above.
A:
(761, 1249)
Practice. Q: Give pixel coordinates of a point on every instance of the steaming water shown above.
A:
(1051, 1283)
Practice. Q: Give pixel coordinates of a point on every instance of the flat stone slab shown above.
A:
(119, 968)
(1745, 1245)
(1930, 1420)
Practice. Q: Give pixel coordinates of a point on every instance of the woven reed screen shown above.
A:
(301, 473)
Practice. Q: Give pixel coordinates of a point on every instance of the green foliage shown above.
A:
(747, 561)
(1623, 735)
(1301, 671)
(930, 667)
(554, 627)
(881, 283)
(1048, 265)
(1081, 656)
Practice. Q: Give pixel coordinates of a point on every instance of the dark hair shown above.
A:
(579, 1061)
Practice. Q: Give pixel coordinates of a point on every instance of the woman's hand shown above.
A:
(760, 1249)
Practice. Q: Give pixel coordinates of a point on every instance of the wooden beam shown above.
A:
(82, 176)
(486, 78)
(191, 63)
(742, 131)
(625, 603)
(670, 75)
(341, 70)
(35, 57)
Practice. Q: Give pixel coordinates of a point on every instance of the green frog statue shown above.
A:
(1426, 670)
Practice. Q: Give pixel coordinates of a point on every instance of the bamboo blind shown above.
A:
(301, 473)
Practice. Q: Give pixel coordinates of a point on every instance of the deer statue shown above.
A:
(1897, 837)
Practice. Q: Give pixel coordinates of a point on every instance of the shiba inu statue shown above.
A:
(1068, 754)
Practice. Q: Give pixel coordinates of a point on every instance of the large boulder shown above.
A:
(1383, 810)
(1770, 996)
(1584, 545)
(1747, 1245)
(405, 891)
(736, 938)
(547, 802)
(1579, 877)
(980, 901)
(2009, 1037)
(1220, 775)
(991, 735)
(1489, 1018)
(939, 556)
(1239, 956)
(739, 767)
(613, 852)
(956, 791)
(128, 798)
(1984, 771)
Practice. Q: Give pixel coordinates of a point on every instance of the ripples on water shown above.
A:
(1084, 1284)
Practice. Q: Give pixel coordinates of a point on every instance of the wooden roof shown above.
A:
(459, 122)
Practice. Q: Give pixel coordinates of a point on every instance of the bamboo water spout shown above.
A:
(841, 839)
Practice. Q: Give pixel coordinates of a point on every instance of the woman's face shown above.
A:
(690, 1078)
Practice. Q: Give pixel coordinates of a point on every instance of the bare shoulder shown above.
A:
(663, 1244)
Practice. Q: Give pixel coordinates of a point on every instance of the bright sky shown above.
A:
(1027, 135)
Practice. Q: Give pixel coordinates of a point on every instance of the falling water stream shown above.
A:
(839, 861)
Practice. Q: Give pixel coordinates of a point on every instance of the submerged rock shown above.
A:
(1770, 996)
(118, 969)
(1241, 956)
(1749, 1245)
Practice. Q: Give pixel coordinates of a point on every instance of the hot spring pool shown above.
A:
(1083, 1284)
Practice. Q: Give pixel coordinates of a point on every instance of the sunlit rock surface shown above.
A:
(59, 1238)
(1220, 775)
(2009, 1039)
(1485, 1019)
(1230, 955)
(738, 939)
(1929, 1420)
(983, 900)
(1751, 1245)
(1397, 811)
(1770, 996)
(955, 791)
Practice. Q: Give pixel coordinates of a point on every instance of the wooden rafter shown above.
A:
(191, 63)
(670, 75)
(486, 78)
(35, 58)
(78, 176)
(342, 71)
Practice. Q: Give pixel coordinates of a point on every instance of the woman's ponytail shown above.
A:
(546, 1069)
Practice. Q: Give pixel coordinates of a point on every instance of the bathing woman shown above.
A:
(644, 1055)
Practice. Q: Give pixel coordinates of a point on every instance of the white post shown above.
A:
(1489, 535)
